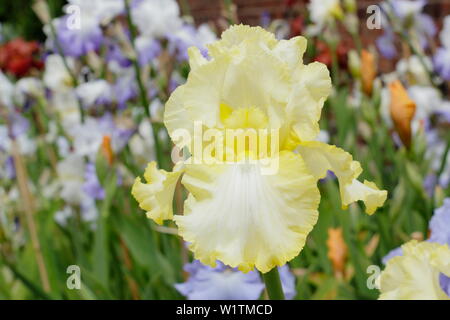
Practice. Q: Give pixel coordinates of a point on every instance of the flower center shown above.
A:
(242, 118)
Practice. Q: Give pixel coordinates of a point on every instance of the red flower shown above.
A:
(323, 53)
(19, 57)
(297, 26)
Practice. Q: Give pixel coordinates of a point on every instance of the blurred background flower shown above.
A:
(225, 283)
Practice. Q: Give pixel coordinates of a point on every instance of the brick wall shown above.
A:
(250, 11)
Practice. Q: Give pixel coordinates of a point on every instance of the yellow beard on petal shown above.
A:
(244, 133)
(243, 118)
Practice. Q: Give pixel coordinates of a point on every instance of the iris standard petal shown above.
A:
(312, 87)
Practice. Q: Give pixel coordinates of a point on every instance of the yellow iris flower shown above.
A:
(415, 274)
(234, 213)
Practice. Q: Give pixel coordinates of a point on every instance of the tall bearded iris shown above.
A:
(235, 212)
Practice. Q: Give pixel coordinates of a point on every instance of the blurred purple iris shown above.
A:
(386, 44)
(440, 224)
(148, 49)
(91, 185)
(19, 124)
(264, 19)
(225, 283)
(115, 54)
(125, 89)
(189, 36)
(407, 16)
(442, 62)
(76, 42)
(10, 168)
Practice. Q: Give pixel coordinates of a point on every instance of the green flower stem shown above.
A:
(229, 6)
(334, 64)
(357, 41)
(142, 91)
(273, 284)
(186, 8)
(444, 157)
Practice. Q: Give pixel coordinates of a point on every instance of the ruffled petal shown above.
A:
(248, 219)
(156, 196)
(440, 259)
(312, 87)
(176, 118)
(321, 157)
(237, 35)
(415, 274)
(240, 37)
(196, 102)
(256, 78)
(291, 51)
(249, 68)
(366, 192)
(196, 58)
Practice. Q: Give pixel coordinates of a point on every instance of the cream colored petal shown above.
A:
(176, 117)
(440, 259)
(241, 37)
(304, 114)
(200, 180)
(156, 196)
(196, 58)
(291, 51)
(247, 219)
(312, 87)
(321, 157)
(316, 77)
(251, 69)
(197, 100)
(236, 35)
(202, 92)
(367, 192)
(415, 274)
(256, 80)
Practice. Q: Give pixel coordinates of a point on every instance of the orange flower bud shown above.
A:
(107, 149)
(402, 110)
(368, 71)
(337, 250)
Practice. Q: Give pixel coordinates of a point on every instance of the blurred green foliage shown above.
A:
(19, 20)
